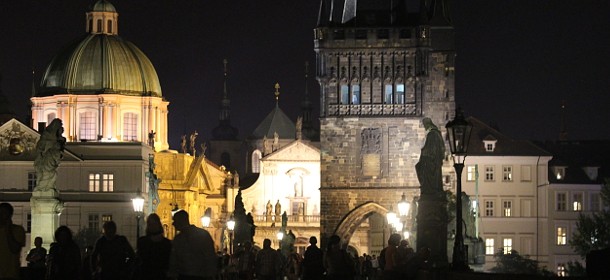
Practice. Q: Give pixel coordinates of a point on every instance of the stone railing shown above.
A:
(293, 220)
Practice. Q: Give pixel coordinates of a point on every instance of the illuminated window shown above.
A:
(507, 245)
(489, 145)
(489, 173)
(400, 94)
(87, 126)
(130, 127)
(489, 246)
(507, 173)
(344, 94)
(561, 270)
(562, 201)
(101, 182)
(387, 97)
(471, 172)
(355, 94)
(560, 172)
(256, 161)
(106, 218)
(31, 181)
(577, 201)
(562, 236)
(94, 222)
(489, 208)
(507, 208)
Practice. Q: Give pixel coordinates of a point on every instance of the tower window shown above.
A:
(400, 94)
(87, 126)
(344, 94)
(355, 94)
(387, 96)
(130, 127)
(99, 26)
(109, 26)
(256, 161)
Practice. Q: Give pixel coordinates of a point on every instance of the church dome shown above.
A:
(101, 62)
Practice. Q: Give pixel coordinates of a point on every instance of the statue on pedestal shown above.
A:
(428, 168)
(49, 152)
(269, 211)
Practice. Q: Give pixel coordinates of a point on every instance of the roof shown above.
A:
(504, 146)
(103, 6)
(575, 157)
(100, 63)
(276, 121)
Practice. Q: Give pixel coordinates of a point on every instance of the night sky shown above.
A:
(517, 60)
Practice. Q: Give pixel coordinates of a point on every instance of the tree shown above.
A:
(575, 269)
(514, 263)
(593, 231)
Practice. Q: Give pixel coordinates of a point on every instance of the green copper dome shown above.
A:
(100, 63)
(103, 6)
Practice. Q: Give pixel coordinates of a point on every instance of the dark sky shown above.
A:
(517, 60)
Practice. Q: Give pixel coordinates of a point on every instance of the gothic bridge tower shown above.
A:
(382, 66)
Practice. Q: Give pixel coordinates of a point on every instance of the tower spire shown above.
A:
(225, 107)
(277, 94)
(563, 133)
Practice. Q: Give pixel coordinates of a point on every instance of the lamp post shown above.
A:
(459, 131)
(231, 227)
(403, 210)
(205, 219)
(392, 219)
(138, 208)
(280, 236)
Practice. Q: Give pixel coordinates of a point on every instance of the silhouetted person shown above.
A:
(12, 239)
(268, 262)
(391, 268)
(153, 251)
(193, 256)
(246, 262)
(64, 261)
(313, 265)
(36, 259)
(86, 273)
(338, 263)
(112, 255)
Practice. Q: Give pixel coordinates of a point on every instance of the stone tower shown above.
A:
(382, 66)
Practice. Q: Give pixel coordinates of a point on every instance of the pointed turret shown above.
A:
(307, 128)
(224, 130)
(275, 122)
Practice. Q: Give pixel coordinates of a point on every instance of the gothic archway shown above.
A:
(350, 223)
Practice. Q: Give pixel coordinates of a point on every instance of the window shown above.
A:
(94, 222)
(507, 245)
(400, 94)
(489, 173)
(577, 201)
(560, 172)
(387, 97)
(101, 182)
(344, 94)
(507, 173)
(489, 145)
(29, 223)
(595, 202)
(31, 181)
(471, 172)
(109, 26)
(562, 235)
(507, 208)
(561, 270)
(355, 94)
(256, 161)
(561, 201)
(130, 127)
(87, 126)
(106, 218)
(489, 246)
(489, 208)
(99, 25)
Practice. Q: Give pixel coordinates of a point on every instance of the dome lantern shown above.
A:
(102, 19)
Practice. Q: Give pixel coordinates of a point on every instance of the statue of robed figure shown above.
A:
(49, 152)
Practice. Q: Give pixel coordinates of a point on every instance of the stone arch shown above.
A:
(354, 218)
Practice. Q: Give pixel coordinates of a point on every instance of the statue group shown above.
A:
(49, 152)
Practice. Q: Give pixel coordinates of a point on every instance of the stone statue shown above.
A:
(151, 139)
(269, 211)
(203, 148)
(276, 141)
(278, 210)
(430, 162)
(236, 179)
(284, 220)
(266, 147)
(299, 128)
(49, 152)
(192, 142)
(183, 143)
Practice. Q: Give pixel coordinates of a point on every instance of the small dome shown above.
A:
(100, 63)
(103, 6)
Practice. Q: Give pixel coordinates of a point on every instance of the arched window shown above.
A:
(225, 159)
(256, 161)
(400, 93)
(355, 94)
(344, 94)
(387, 94)
(87, 126)
(130, 127)
(90, 25)
(99, 25)
(109, 26)
(50, 118)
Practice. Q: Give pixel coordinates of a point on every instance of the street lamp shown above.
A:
(231, 227)
(205, 219)
(459, 131)
(138, 208)
(391, 216)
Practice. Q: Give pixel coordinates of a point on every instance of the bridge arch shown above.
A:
(350, 223)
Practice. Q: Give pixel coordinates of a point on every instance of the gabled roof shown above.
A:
(276, 121)
(574, 156)
(505, 146)
(296, 151)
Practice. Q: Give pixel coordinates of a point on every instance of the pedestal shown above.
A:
(46, 208)
(432, 227)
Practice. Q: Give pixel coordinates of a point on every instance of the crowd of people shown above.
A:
(191, 256)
